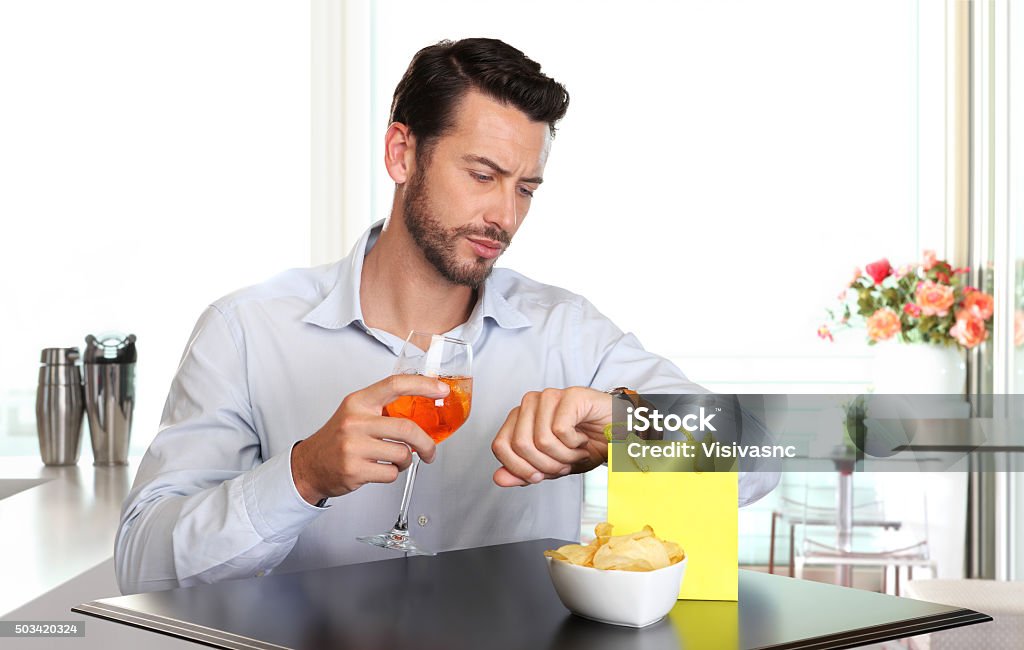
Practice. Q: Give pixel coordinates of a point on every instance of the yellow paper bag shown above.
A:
(697, 510)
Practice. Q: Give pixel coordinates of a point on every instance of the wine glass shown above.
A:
(451, 361)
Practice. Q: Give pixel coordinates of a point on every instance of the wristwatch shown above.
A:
(629, 393)
(637, 401)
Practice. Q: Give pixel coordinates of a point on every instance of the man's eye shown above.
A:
(527, 192)
(483, 178)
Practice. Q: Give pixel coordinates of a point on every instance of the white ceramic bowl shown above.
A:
(631, 598)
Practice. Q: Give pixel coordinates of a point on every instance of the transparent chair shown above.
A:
(890, 533)
(811, 498)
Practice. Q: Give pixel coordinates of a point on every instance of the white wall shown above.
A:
(154, 157)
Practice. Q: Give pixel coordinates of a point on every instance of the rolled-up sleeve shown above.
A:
(610, 358)
(207, 505)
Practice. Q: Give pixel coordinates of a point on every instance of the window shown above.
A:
(721, 170)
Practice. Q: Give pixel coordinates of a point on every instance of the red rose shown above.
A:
(969, 330)
(883, 324)
(879, 270)
(980, 304)
(912, 309)
(934, 299)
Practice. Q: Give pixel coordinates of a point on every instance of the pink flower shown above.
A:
(879, 270)
(929, 259)
(856, 275)
(1018, 328)
(912, 309)
(933, 298)
(969, 330)
(980, 303)
(883, 324)
(824, 333)
(842, 295)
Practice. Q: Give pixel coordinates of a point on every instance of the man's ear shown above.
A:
(399, 152)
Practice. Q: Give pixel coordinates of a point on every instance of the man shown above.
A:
(273, 453)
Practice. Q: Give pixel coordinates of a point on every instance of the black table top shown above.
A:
(501, 597)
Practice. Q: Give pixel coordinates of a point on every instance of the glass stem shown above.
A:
(410, 478)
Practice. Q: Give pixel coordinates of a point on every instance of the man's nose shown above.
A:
(504, 211)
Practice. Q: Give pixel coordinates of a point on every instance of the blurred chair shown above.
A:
(799, 498)
(1003, 601)
(879, 536)
(791, 513)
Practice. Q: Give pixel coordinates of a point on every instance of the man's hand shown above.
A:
(342, 456)
(552, 433)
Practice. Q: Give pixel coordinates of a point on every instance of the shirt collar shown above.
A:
(341, 307)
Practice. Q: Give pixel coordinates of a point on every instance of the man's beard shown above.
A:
(439, 243)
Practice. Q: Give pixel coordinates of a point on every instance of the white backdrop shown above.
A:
(722, 168)
(153, 157)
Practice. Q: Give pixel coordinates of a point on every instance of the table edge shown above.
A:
(174, 627)
(890, 631)
(220, 639)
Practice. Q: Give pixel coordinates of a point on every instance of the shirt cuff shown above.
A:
(276, 509)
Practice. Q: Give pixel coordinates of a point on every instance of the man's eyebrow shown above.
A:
(487, 162)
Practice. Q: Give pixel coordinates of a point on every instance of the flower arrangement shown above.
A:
(927, 302)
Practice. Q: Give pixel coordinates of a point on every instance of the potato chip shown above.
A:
(603, 529)
(675, 552)
(643, 554)
(639, 551)
(579, 554)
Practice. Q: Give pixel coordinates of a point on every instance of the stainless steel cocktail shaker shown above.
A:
(60, 405)
(110, 395)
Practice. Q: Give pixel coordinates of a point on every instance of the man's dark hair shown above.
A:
(440, 75)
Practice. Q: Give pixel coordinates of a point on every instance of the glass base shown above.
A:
(396, 540)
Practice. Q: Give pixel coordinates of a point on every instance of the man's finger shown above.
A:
(376, 396)
(502, 448)
(379, 472)
(559, 445)
(400, 430)
(505, 478)
(396, 453)
(572, 408)
(524, 446)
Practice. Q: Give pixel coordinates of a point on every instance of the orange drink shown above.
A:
(439, 418)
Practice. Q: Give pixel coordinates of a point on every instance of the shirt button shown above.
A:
(423, 521)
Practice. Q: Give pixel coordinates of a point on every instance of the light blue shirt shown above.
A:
(268, 365)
